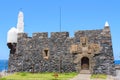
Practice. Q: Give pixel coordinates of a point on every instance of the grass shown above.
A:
(96, 76)
(39, 76)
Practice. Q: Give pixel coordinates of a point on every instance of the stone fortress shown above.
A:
(89, 51)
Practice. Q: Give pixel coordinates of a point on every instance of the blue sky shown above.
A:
(43, 16)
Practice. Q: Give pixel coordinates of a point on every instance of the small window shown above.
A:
(46, 53)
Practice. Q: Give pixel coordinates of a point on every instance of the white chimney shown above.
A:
(20, 23)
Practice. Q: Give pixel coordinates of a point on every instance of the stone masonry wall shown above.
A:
(104, 61)
(31, 56)
(30, 53)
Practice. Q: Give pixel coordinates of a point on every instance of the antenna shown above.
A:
(20, 9)
(60, 19)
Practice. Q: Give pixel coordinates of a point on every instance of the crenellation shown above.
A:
(40, 35)
(22, 35)
(59, 34)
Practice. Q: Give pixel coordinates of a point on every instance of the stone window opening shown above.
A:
(46, 53)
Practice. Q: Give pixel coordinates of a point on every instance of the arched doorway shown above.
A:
(85, 63)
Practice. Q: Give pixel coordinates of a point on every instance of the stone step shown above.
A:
(85, 72)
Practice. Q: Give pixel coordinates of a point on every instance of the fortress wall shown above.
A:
(30, 52)
(32, 48)
(61, 59)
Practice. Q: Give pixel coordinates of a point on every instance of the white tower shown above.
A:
(20, 23)
(12, 35)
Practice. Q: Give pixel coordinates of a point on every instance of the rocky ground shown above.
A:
(3, 73)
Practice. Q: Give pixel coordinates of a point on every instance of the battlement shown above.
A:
(22, 35)
(88, 32)
(40, 35)
(59, 34)
(45, 35)
(63, 35)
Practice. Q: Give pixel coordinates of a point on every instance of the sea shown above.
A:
(117, 62)
(4, 64)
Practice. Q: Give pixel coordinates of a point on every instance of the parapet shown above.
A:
(22, 35)
(63, 35)
(40, 35)
(44, 35)
(59, 34)
(87, 32)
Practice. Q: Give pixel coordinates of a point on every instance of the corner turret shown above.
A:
(106, 24)
(106, 30)
(12, 40)
(12, 35)
(106, 27)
